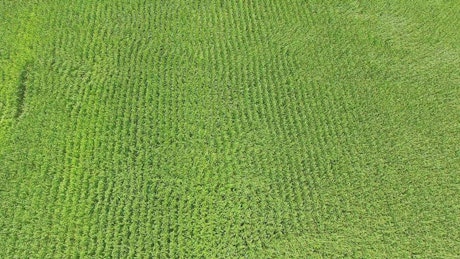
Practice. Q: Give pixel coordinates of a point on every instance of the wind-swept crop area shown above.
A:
(229, 129)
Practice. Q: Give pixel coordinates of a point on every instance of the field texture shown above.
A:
(229, 129)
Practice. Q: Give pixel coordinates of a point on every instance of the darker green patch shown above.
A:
(22, 88)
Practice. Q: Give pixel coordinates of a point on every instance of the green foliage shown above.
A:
(229, 129)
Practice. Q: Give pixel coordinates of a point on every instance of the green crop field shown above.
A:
(229, 129)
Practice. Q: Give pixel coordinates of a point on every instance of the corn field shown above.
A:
(229, 129)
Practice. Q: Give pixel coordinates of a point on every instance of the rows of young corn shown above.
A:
(226, 129)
